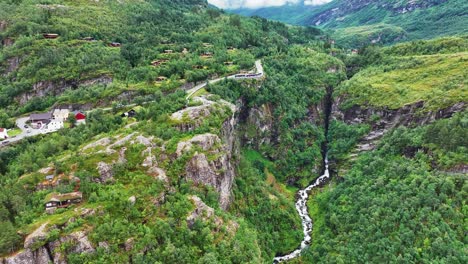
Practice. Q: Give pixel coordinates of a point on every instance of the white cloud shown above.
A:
(233, 4)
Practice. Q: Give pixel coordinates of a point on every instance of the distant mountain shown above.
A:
(383, 21)
(292, 14)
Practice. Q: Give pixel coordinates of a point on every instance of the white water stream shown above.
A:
(301, 207)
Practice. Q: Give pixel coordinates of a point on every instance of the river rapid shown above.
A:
(301, 207)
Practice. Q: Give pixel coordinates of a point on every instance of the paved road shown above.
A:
(259, 74)
(21, 122)
(26, 131)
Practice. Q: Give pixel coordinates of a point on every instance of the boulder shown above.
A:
(105, 173)
(132, 200)
(36, 237)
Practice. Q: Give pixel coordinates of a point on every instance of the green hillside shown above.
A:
(200, 128)
(382, 21)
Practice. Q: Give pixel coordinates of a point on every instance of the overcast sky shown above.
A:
(261, 3)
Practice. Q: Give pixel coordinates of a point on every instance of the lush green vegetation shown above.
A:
(357, 23)
(38, 70)
(399, 203)
(281, 132)
(271, 210)
(297, 83)
(428, 71)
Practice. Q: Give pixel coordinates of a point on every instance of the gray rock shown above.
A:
(105, 173)
(132, 200)
(38, 236)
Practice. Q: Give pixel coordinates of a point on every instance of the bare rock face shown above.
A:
(44, 88)
(12, 63)
(129, 243)
(205, 141)
(201, 211)
(190, 118)
(217, 172)
(262, 119)
(80, 242)
(105, 172)
(50, 252)
(101, 142)
(38, 236)
(27, 256)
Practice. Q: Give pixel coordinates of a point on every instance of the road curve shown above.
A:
(259, 74)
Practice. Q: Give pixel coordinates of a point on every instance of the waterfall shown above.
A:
(301, 207)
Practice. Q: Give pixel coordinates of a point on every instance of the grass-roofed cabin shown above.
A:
(57, 200)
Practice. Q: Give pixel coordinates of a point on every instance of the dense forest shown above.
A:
(213, 177)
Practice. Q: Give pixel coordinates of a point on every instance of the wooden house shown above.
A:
(115, 44)
(168, 51)
(50, 35)
(57, 200)
(207, 54)
(38, 120)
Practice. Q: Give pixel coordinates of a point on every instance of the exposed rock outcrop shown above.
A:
(39, 256)
(44, 88)
(217, 170)
(36, 237)
(39, 251)
(201, 211)
(190, 118)
(105, 173)
(383, 119)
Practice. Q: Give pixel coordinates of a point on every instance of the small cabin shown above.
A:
(161, 79)
(198, 67)
(207, 54)
(207, 45)
(57, 200)
(50, 35)
(131, 113)
(80, 117)
(231, 48)
(88, 39)
(115, 44)
(158, 62)
(354, 51)
(168, 51)
(228, 63)
(185, 51)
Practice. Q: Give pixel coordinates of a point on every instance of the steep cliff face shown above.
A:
(49, 88)
(337, 10)
(40, 249)
(382, 120)
(215, 162)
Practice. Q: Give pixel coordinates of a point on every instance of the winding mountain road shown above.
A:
(301, 207)
(259, 74)
(29, 132)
